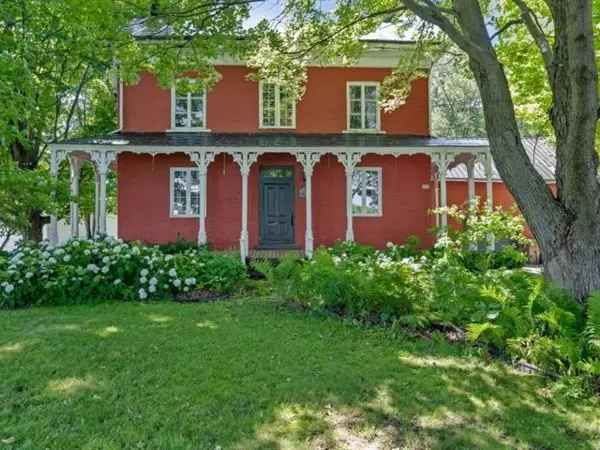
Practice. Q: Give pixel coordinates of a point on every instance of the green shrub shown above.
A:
(505, 310)
(85, 271)
(181, 245)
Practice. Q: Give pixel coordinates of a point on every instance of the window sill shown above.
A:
(171, 216)
(188, 130)
(368, 216)
(277, 128)
(366, 131)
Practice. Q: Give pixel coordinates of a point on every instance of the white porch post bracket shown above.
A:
(75, 166)
(102, 160)
(350, 159)
(308, 160)
(489, 191)
(442, 160)
(56, 157)
(245, 161)
(202, 159)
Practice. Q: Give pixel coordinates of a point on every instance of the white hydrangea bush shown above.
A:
(103, 269)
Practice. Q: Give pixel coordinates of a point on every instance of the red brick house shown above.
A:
(241, 166)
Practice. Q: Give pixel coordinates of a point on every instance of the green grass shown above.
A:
(252, 374)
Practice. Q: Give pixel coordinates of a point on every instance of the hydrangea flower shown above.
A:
(106, 260)
(177, 282)
(117, 281)
(28, 275)
(142, 294)
(143, 280)
(8, 288)
(151, 288)
(172, 273)
(93, 268)
(144, 272)
(153, 281)
(67, 258)
(105, 269)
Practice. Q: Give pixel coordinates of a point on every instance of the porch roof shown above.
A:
(275, 140)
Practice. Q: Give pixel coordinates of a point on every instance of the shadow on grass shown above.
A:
(250, 374)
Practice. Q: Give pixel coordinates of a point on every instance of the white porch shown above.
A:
(444, 155)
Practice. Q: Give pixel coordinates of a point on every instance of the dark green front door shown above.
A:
(276, 206)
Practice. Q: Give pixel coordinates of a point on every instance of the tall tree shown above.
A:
(52, 54)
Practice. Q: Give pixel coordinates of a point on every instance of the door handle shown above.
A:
(292, 217)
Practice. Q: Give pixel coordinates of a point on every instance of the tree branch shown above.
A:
(533, 25)
(354, 22)
(505, 27)
(428, 11)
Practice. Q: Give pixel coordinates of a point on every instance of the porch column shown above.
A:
(350, 160)
(245, 161)
(308, 161)
(75, 165)
(96, 202)
(471, 179)
(102, 160)
(489, 191)
(56, 158)
(442, 160)
(443, 193)
(202, 160)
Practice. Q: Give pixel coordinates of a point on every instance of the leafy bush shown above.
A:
(457, 285)
(84, 271)
(180, 245)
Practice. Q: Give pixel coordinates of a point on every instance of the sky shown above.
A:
(270, 9)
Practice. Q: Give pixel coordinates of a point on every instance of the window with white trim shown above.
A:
(363, 106)
(366, 191)
(188, 109)
(185, 192)
(277, 107)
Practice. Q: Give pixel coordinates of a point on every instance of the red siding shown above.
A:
(232, 105)
(144, 200)
(458, 194)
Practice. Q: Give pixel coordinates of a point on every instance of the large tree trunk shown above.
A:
(28, 159)
(566, 226)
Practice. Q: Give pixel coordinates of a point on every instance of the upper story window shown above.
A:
(277, 107)
(363, 106)
(188, 109)
(185, 192)
(366, 191)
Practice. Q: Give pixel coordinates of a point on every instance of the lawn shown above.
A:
(253, 373)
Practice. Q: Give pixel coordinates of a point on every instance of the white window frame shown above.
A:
(379, 171)
(362, 84)
(277, 109)
(175, 128)
(188, 200)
